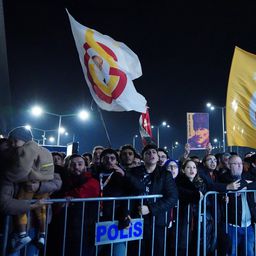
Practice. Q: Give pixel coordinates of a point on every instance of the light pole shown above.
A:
(134, 140)
(212, 107)
(174, 145)
(217, 141)
(27, 126)
(163, 124)
(37, 111)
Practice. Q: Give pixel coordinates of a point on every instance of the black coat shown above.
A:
(227, 178)
(189, 196)
(161, 183)
(114, 188)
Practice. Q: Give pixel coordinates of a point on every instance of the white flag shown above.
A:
(109, 68)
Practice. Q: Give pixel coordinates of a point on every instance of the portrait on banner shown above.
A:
(198, 130)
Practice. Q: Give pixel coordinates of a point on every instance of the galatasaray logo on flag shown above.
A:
(109, 68)
(108, 82)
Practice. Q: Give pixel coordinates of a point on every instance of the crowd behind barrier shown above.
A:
(117, 202)
(77, 245)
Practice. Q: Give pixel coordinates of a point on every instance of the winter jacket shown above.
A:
(35, 163)
(9, 205)
(161, 183)
(227, 178)
(83, 186)
(113, 185)
(189, 196)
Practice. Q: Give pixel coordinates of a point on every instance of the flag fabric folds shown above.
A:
(109, 68)
(241, 100)
(145, 128)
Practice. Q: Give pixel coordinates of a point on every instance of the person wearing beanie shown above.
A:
(20, 134)
(172, 166)
(34, 165)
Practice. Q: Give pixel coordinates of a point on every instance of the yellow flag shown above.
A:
(241, 100)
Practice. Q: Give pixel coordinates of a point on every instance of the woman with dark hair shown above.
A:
(191, 189)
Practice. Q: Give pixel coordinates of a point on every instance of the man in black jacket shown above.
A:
(241, 210)
(150, 179)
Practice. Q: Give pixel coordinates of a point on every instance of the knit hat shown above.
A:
(20, 133)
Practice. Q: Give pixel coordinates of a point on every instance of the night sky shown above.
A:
(185, 53)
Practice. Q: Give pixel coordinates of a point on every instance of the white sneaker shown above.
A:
(41, 241)
(20, 242)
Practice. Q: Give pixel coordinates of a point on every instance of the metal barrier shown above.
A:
(222, 207)
(193, 229)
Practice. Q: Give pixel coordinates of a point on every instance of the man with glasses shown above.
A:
(241, 211)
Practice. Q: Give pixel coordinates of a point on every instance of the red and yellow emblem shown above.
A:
(107, 83)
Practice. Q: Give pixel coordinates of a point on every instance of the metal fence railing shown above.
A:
(218, 224)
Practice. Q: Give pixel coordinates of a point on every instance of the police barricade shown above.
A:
(228, 223)
(77, 228)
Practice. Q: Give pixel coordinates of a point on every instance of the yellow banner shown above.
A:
(241, 100)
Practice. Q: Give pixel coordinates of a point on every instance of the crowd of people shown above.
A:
(30, 175)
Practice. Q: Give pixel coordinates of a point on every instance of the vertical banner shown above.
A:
(241, 100)
(198, 130)
(145, 128)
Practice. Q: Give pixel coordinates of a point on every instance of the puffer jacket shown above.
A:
(35, 163)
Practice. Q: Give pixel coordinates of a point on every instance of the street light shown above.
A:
(163, 124)
(38, 111)
(215, 140)
(63, 131)
(134, 140)
(51, 139)
(174, 145)
(212, 107)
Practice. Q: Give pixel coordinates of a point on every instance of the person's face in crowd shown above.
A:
(96, 156)
(225, 160)
(162, 158)
(150, 157)
(109, 161)
(17, 143)
(4, 145)
(136, 162)
(196, 160)
(173, 168)
(235, 165)
(87, 160)
(57, 160)
(211, 162)
(190, 170)
(246, 166)
(127, 157)
(77, 166)
(202, 135)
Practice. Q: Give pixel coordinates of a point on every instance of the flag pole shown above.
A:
(104, 125)
(5, 98)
